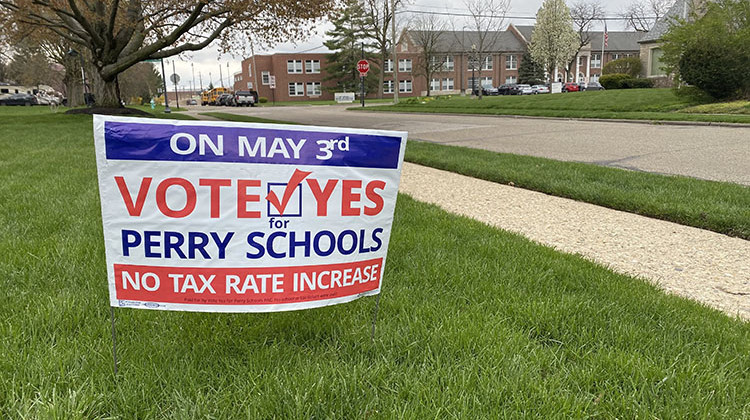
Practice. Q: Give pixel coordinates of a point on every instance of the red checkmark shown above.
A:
(294, 181)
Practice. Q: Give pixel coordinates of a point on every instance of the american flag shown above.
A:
(606, 35)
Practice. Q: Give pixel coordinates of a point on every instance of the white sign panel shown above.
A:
(344, 97)
(235, 217)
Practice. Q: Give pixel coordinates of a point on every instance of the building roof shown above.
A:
(617, 40)
(461, 41)
(678, 10)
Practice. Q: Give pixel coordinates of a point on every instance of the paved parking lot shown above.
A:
(707, 152)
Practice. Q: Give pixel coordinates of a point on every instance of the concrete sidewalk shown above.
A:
(709, 267)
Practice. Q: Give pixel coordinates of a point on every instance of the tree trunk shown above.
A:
(381, 73)
(105, 92)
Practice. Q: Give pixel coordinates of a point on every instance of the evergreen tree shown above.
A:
(345, 40)
(529, 71)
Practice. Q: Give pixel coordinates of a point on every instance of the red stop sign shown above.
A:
(363, 67)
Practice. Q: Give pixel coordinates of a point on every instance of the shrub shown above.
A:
(262, 99)
(635, 83)
(624, 81)
(628, 65)
(613, 81)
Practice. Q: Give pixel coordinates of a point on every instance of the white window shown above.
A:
(448, 83)
(655, 63)
(404, 65)
(296, 89)
(448, 63)
(486, 82)
(388, 86)
(389, 66)
(404, 86)
(594, 78)
(487, 63)
(250, 85)
(596, 60)
(294, 66)
(435, 84)
(434, 64)
(313, 89)
(511, 62)
(265, 77)
(510, 80)
(249, 69)
(312, 66)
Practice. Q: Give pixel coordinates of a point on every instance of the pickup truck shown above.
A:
(246, 98)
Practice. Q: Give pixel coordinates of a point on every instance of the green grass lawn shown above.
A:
(638, 104)
(474, 323)
(315, 102)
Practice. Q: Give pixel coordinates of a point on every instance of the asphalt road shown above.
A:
(707, 152)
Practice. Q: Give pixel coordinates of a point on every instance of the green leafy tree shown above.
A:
(712, 52)
(529, 71)
(553, 42)
(346, 40)
(628, 65)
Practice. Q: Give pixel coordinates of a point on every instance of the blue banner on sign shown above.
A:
(161, 142)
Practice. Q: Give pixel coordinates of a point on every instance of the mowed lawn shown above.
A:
(637, 104)
(474, 322)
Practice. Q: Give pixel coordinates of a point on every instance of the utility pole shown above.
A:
(393, 45)
(229, 78)
(256, 84)
(176, 96)
(362, 78)
(192, 67)
(221, 76)
(200, 76)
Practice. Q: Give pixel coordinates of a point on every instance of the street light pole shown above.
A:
(164, 84)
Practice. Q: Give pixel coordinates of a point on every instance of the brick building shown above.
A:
(300, 76)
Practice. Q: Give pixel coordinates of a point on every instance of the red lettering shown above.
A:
(161, 197)
(137, 208)
(321, 197)
(348, 197)
(243, 198)
(215, 185)
(373, 196)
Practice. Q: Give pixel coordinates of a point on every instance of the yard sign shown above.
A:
(234, 217)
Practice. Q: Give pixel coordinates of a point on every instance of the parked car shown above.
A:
(504, 89)
(19, 99)
(537, 89)
(524, 89)
(490, 91)
(594, 86)
(192, 101)
(245, 98)
(513, 89)
(225, 99)
(570, 87)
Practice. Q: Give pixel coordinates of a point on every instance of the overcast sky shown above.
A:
(206, 63)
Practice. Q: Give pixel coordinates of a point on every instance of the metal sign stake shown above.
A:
(114, 338)
(375, 317)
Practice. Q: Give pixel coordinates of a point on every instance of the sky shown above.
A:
(205, 64)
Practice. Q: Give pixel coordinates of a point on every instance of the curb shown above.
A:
(612, 120)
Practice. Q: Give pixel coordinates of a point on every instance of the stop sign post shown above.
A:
(363, 66)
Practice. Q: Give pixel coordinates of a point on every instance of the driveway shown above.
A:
(714, 153)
